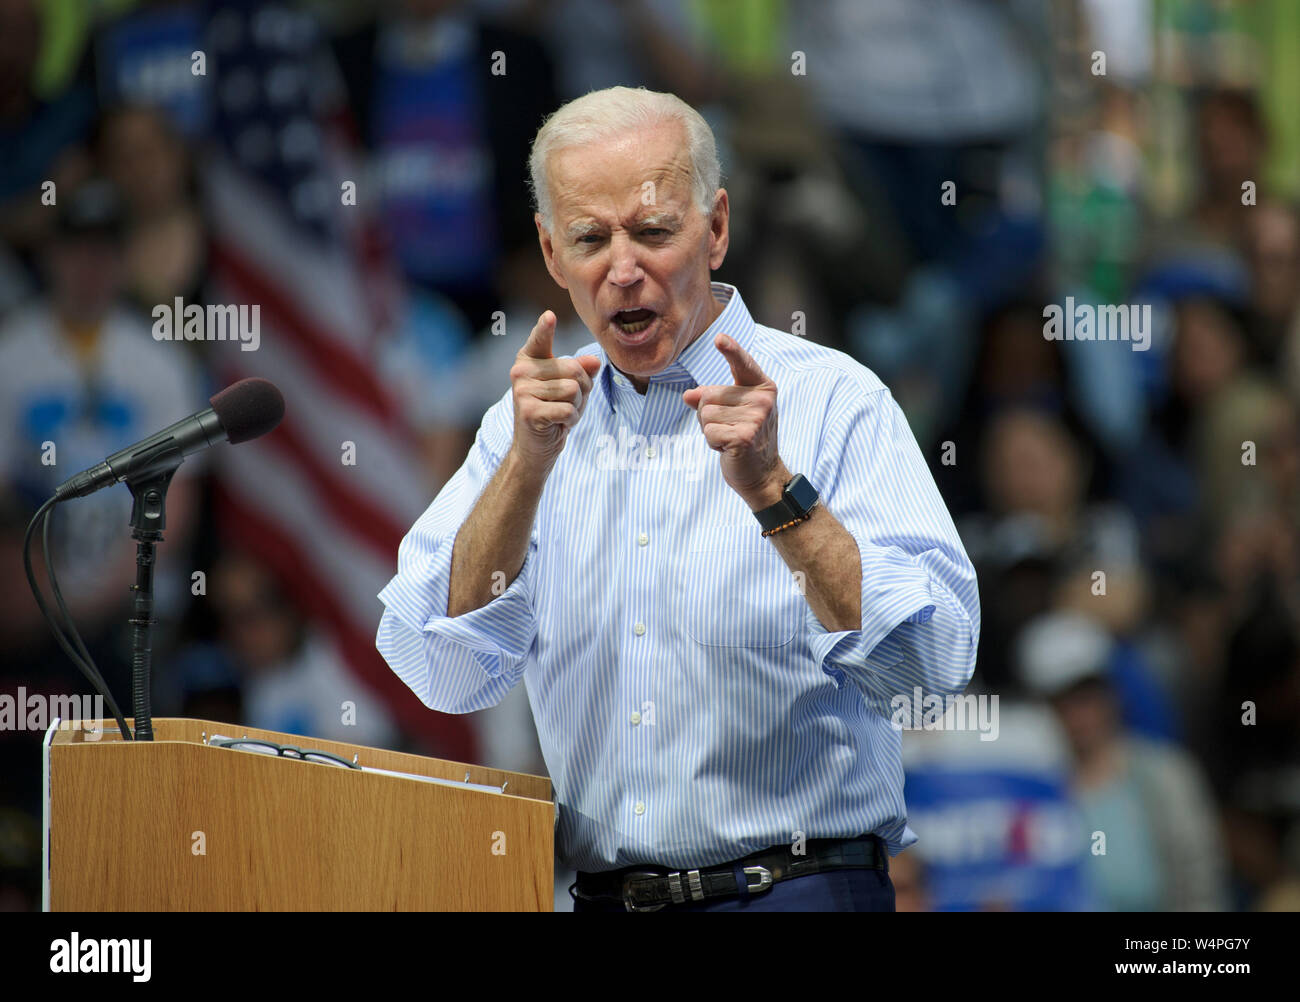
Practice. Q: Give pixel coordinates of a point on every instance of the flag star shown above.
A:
(239, 90)
(226, 30)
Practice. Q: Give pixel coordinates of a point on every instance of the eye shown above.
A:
(589, 238)
(654, 231)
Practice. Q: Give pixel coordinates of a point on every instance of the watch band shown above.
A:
(797, 501)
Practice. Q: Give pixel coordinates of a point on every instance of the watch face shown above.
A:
(802, 493)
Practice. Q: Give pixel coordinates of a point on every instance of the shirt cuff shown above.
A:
(894, 591)
(497, 633)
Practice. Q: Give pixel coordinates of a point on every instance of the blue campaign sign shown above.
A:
(995, 823)
(146, 58)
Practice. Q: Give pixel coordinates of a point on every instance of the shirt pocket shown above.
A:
(736, 591)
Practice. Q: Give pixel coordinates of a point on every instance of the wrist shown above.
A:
(770, 491)
(526, 470)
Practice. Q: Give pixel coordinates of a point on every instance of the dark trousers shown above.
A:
(835, 891)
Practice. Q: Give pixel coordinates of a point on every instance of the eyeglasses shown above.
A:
(287, 751)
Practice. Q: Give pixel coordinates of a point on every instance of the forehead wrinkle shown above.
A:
(571, 185)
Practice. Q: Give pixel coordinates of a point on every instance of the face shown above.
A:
(1088, 716)
(144, 160)
(632, 248)
(1031, 465)
(1206, 352)
(257, 623)
(84, 274)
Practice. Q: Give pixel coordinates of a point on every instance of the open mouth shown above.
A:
(633, 321)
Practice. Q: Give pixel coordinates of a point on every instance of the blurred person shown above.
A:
(919, 119)
(540, 490)
(1258, 754)
(42, 138)
(428, 345)
(1014, 366)
(1279, 456)
(931, 110)
(166, 240)
(1231, 145)
(1273, 252)
(1036, 480)
(1190, 466)
(1219, 404)
(1149, 801)
(291, 678)
(447, 124)
(1095, 188)
(80, 378)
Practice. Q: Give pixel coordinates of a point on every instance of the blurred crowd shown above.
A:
(911, 182)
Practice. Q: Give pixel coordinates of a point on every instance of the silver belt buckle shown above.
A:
(628, 903)
(764, 879)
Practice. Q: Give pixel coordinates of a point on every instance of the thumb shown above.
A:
(541, 338)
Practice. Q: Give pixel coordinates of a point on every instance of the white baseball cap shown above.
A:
(1059, 649)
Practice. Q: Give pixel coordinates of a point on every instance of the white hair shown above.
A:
(602, 114)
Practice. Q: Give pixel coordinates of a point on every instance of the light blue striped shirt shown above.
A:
(690, 706)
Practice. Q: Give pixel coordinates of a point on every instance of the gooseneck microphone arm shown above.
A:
(148, 519)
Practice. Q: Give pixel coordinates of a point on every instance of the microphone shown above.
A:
(242, 411)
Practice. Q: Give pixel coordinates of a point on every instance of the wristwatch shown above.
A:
(798, 499)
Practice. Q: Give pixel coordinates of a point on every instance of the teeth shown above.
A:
(633, 327)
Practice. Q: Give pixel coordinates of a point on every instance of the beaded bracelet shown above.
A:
(778, 528)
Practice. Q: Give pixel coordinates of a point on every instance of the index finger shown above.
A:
(743, 367)
(541, 339)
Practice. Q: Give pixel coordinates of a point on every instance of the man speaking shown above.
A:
(711, 615)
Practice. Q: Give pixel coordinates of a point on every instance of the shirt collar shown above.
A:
(700, 364)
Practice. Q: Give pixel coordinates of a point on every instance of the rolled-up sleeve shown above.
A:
(458, 664)
(920, 603)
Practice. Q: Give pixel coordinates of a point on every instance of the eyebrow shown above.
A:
(659, 219)
(582, 227)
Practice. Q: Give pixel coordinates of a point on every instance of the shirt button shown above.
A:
(640, 807)
(650, 452)
(639, 629)
(636, 717)
(643, 539)
(620, 380)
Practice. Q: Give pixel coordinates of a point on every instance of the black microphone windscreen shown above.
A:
(248, 408)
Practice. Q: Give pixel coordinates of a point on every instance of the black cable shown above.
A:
(85, 665)
(68, 627)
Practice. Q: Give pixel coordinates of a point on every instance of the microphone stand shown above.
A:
(148, 519)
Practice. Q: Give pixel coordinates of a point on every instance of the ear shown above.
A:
(548, 251)
(719, 229)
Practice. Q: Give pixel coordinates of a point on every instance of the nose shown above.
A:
(624, 269)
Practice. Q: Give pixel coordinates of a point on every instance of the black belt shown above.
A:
(648, 888)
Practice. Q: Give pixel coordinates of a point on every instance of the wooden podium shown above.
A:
(176, 824)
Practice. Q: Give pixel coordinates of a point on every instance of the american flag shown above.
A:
(284, 239)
